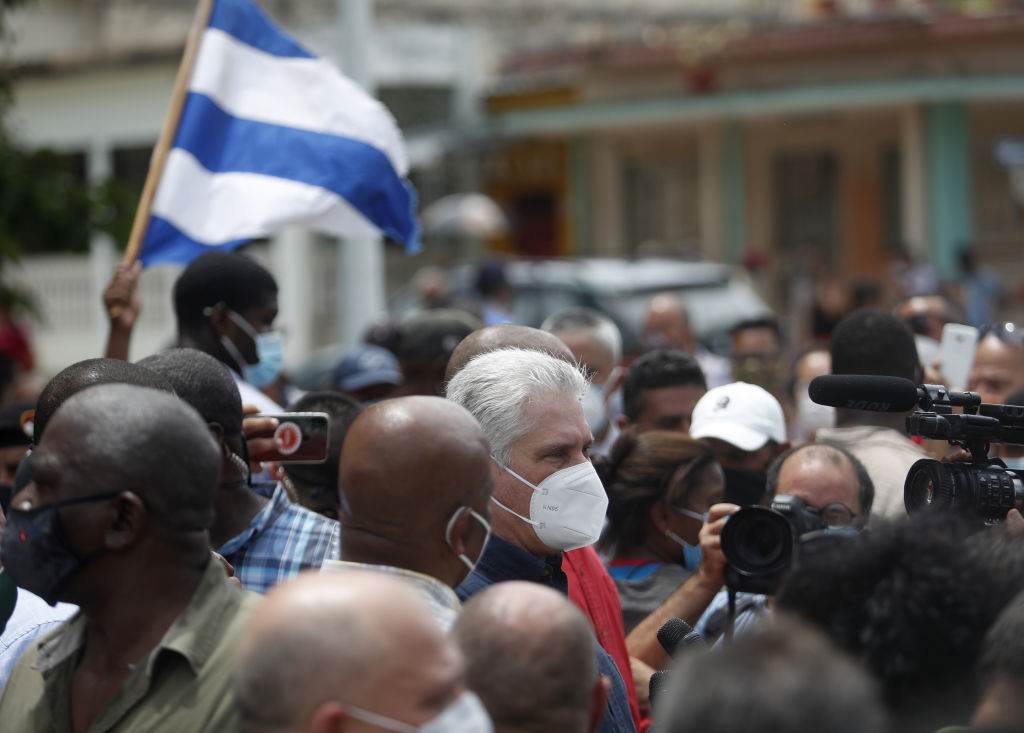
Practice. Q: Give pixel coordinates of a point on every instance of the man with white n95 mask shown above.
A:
(547, 496)
(351, 652)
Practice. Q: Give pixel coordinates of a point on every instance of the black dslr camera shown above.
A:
(759, 543)
(984, 489)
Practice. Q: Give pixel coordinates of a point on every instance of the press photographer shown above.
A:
(812, 488)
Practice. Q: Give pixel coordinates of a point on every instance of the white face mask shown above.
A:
(567, 510)
(466, 714)
(487, 535)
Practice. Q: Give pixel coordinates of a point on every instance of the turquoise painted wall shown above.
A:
(949, 205)
(734, 189)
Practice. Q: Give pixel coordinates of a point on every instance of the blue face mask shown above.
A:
(269, 353)
(692, 554)
(1016, 464)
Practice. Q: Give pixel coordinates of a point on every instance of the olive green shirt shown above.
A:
(184, 684)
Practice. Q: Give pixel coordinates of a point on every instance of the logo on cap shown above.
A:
(722, 403)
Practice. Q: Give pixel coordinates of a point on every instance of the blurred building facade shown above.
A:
(843, 138)
(92, 80)
(835, 129)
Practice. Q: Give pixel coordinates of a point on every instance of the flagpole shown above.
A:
(163, 145)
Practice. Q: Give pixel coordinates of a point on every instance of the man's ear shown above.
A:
(218, 318)
(329, 717)
(217, 431)
(598, 702)
(129, 523)
(460, 534)
(621, 422)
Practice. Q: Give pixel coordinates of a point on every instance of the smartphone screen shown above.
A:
(956, 350)
(300, 437)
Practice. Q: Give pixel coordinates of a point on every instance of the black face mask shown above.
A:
(745, 487)
(35, 551)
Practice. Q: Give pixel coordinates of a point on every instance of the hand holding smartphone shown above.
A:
(289, 437)
(956, 353)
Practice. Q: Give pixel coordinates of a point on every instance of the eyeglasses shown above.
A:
(835, 515)
(1005, 331)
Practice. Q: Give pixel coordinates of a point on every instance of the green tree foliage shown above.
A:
(46, 204)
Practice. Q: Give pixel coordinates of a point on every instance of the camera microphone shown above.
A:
(657, 682)
(864, 392)
(675, 635)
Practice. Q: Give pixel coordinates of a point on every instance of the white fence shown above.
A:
(67, 290)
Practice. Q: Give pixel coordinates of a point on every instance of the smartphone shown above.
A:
(956, 350)
(300, 437)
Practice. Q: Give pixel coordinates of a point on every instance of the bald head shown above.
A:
(508, 336)
(530, 657)
(822, 474)
(667, 324)
(407, 466)
(321, 641)
(118, 437)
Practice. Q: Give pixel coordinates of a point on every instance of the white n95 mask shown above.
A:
(466, 714)
(567, 510)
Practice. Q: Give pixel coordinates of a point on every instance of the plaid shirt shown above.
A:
(282, 540)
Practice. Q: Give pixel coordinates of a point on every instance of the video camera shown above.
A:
(760, 543)
(983, 489)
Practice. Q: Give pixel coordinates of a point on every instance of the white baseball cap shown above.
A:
(741, 414)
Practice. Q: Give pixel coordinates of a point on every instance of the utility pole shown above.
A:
(359, 284)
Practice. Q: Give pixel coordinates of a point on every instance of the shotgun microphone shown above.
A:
(865, 392)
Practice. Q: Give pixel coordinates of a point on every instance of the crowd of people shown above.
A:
(515, 529)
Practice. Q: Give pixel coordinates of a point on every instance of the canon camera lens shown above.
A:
(758, 542)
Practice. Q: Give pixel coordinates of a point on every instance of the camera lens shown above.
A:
(987, 492)
(757, 541)
(929, 485)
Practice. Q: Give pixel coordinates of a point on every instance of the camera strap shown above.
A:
(730, 619)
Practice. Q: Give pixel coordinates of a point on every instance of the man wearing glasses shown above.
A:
(833, 484)
(998, 369)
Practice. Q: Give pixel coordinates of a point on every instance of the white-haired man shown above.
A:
(596, 344)
(547, 495)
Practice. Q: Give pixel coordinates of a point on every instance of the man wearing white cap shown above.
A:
(746, 428)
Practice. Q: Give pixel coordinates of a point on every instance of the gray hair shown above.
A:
(495, 387)
(588, 320)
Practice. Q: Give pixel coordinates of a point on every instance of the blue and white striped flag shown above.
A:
(270, 136)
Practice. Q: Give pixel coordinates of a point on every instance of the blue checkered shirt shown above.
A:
(281, 541)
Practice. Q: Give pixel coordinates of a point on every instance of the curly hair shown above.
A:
(642, 470)
(912, 600)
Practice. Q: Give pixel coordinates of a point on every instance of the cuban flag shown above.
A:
(269, 136)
